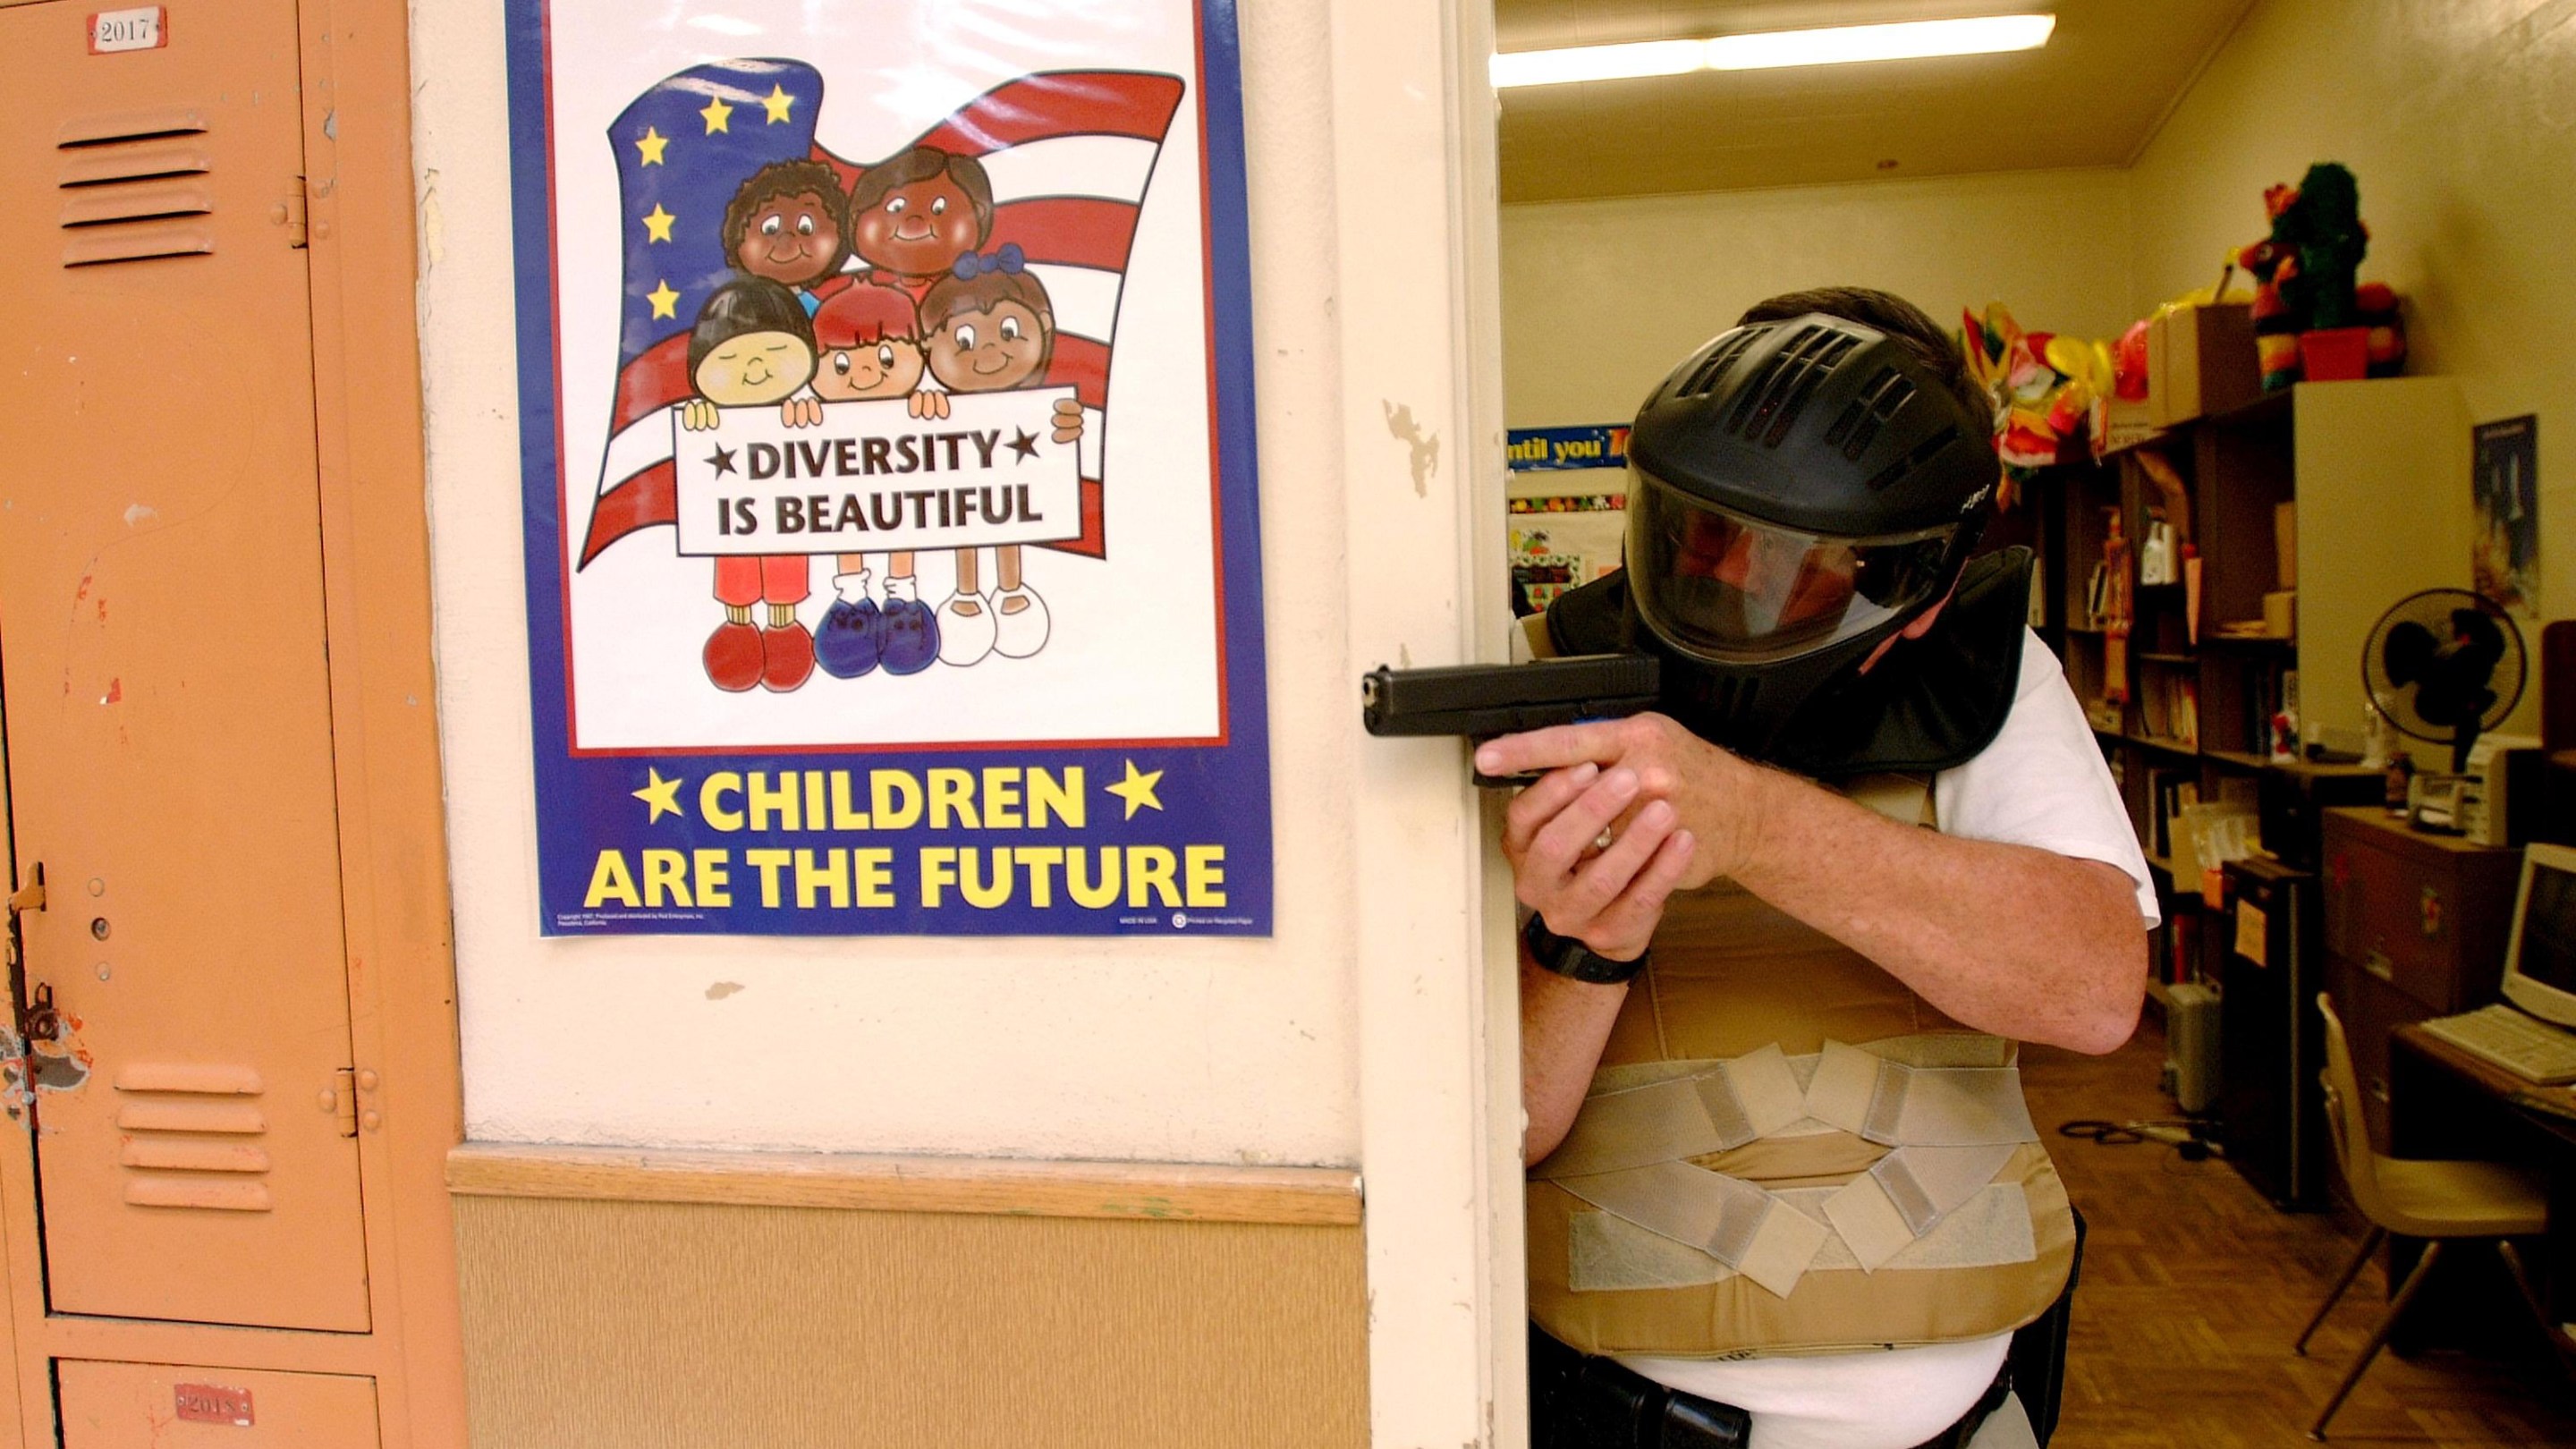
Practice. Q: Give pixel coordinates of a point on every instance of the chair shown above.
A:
(2443, 1202)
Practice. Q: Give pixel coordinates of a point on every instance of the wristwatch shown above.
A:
(1570, 958)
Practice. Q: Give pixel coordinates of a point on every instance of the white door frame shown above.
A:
(1418, 306)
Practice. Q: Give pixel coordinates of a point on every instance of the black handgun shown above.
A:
(1481, 701)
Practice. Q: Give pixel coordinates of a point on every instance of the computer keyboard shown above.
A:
(2512, 1040)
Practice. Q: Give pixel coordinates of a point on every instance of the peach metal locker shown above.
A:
(223, 1223)
(161, 649)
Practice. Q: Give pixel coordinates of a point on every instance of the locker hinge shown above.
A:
(344, 1099)
(290, 214)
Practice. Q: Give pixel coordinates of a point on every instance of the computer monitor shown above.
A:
(2540, 962)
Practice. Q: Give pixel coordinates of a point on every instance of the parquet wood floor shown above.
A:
(2194, 1287)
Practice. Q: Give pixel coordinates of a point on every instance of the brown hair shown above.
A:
(920, 164)
(952, 294)
(786, 179)
(1908, 325)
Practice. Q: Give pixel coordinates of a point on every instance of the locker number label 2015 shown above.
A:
(213, 1404)
(145, 27)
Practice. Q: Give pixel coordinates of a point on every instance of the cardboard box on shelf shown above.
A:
(2281, 614)
(2200, 360)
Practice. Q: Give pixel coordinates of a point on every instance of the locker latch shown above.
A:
(289, 214)
(31, 896)
(28, 897)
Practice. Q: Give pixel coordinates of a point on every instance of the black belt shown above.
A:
(1578, 1401)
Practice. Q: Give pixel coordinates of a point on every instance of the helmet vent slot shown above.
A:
(1877, 404)
(1923, 453)
(1778, 394)
(1704, 377)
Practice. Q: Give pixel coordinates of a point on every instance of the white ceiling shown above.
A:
(2092, 97)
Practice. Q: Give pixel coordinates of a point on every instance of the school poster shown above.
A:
(886, 416)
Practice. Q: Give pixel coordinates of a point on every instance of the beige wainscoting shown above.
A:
(640, 1299)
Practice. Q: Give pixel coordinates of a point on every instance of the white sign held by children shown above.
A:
(818, 478)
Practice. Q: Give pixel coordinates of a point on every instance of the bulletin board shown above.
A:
(887, 451)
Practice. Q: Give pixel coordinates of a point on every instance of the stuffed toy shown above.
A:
(2306, 271)
(2043, 387)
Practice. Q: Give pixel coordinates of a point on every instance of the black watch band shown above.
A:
(1570, 958)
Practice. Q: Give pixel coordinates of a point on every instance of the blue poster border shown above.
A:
(1216, 792)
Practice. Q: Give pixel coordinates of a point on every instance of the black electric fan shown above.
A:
(2444, 665)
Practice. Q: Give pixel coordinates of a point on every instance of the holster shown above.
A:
(1581, 1402)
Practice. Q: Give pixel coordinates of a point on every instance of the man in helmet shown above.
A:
(1781, 1174)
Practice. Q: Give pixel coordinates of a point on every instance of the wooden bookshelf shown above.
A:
(2331, 461)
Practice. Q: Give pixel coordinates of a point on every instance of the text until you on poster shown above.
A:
(1052, 869)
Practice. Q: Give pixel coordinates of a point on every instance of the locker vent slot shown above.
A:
(130, 126)
(136, 163)
(203, 1161)
(126, 198)
(238, 1119)
(105, 205)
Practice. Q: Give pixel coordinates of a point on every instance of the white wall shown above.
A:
(2456, 119)
(1600, 298)
(1199, 1050)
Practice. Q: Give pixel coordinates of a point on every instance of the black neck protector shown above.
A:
(1933, 703)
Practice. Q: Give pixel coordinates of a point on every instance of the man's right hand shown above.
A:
(1608, 897)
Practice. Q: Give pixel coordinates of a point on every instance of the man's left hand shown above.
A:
(1712, 792)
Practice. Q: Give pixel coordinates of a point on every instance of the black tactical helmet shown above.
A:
(1801, 489)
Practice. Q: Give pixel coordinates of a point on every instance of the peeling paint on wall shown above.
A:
(1424, 445)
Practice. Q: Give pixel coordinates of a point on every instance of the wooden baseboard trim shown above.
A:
(1191, 1192)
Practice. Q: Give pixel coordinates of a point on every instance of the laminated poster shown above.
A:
(886, 431)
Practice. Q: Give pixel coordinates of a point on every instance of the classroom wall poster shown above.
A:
(887, 448)
(1565, 531)
(2504, 561)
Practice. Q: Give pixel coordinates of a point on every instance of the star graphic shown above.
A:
(776, 103)
(718, 115)
(721, 460)
(1137, 789)
(650, 145)
(657, 224)
(1026, 444)
(666, 303)
(663, 796)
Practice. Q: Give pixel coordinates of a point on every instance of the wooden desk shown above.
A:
(2445, 1103)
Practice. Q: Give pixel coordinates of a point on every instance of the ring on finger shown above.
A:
(1603, 840)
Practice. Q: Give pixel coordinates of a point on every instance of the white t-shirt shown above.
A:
(2041, 783)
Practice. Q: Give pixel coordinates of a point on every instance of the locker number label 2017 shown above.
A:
(211, 1404)
(146, 27)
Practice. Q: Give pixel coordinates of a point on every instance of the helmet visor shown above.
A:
(1735, 589)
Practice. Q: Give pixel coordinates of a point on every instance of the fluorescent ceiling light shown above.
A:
(1836, 45)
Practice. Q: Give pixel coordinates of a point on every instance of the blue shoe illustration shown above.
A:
(910, 631)
(849, 642)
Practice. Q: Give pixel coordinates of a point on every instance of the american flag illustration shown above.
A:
(1069, 155)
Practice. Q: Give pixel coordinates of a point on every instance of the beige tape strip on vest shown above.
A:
(1608, 1254)
(1900, 1106)
(1907, 1194)
(1731, 1220)
(1720, 1105)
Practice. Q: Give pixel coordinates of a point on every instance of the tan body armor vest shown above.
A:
(1785, 1150)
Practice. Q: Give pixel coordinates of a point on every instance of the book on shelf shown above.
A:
(2170, 790)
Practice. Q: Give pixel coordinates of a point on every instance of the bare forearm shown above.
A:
(1564, 1025)
(2009, 939)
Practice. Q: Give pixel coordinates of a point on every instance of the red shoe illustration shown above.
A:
(787, 657)
(733, 657)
